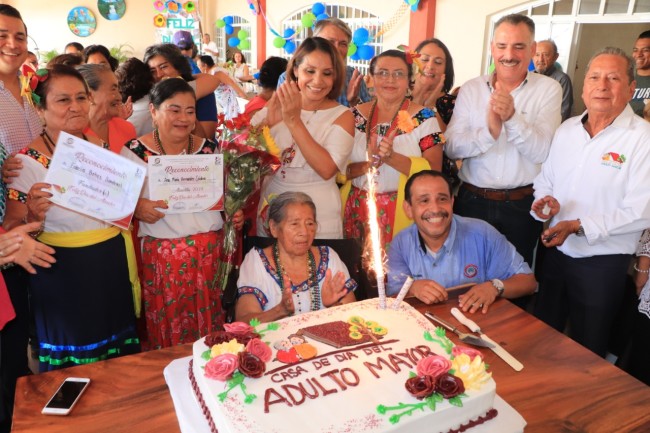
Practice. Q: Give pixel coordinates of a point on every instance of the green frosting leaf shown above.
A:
(206, 355)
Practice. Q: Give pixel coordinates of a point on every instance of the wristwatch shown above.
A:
(581, 230)
(498, 284)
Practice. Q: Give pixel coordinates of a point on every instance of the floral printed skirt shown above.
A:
(355, 219)
(181, 301)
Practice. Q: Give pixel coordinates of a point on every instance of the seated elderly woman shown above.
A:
(291, 276)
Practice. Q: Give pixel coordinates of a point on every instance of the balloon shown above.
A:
(228, 20)
(366, 52)
(289, 32)
(412, 2)
(322, 17)
(228, 29)
(352, 48)
(308, 19)
(355, 56)
(360, 36)
(318, 8)
(245, 44)
(278, 42)
(220, 24)
(233, 42)
(531, 65)
(290, 47)
(242, 34)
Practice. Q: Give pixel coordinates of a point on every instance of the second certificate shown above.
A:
(187, 183)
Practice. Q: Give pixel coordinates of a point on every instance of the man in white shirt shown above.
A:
(594, 190)
(209, 48)
(502, 128)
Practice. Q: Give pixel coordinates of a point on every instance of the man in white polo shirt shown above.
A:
(594, 189)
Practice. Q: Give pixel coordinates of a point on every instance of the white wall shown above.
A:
(47, 23)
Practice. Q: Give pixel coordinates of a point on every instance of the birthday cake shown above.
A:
(352, 368)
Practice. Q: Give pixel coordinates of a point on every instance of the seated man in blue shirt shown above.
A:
(443, 250)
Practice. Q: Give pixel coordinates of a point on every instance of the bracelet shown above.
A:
(35, 234)
(643, 271)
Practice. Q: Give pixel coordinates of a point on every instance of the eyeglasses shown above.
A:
(384, 74)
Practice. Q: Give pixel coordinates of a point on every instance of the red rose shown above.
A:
(449, 386)
(260, 349)
(420, 387)
(238, 328)
(250, 365)
(472, 353)
(218, 337)
(221, 367)
(433, 365)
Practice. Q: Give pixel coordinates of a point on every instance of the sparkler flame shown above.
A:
(377, 261)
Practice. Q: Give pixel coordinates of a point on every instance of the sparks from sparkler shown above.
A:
(377, 261)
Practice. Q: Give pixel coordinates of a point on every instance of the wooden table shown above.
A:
(562, 388)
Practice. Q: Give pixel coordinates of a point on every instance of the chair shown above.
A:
(349, 250)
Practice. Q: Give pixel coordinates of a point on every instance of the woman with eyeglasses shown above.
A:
(396, 136)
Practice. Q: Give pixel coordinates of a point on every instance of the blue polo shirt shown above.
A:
(474, 252)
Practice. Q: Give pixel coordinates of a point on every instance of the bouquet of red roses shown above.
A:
(249, 154)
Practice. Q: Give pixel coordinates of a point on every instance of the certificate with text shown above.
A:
(187, 183)
(94, 181)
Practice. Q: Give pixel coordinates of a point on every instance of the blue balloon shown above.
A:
(228, 19)
(290, 47)
(366, 52)
(322, 17)
(233, 42)
(531, 65)
(360, 36)
(288, 33)
(355, 56)
(228, 29)
(318, 8)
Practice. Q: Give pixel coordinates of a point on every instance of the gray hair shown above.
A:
(92, 73)
(614, 51)
(516, 19)
(278, 206)
(551, 42)
(332, 21)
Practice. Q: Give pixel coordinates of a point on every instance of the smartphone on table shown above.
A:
(66, 396)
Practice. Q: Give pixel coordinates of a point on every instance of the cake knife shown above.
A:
(465, 338)
(496, 347)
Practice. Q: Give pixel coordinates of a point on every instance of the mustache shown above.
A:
(441, 214)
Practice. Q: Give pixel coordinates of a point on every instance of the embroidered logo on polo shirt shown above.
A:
(470, 271)
(612, 159)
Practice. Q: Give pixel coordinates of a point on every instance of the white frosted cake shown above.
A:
(343, 369)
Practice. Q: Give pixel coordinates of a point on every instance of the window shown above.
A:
(221, 39)
(353, 17)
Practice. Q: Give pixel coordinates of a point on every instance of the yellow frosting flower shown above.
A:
(270, 143)
(404, 121)
(231, 347)
(472, 373)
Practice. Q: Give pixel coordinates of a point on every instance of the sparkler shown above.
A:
(402, 292)
(377, 261)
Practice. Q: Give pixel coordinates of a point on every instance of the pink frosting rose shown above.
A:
(221, 367)
(433, 366)
(260, 349)
(472, 353)
(239, 328)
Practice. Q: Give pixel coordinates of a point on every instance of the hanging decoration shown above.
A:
(174, 15)
(111, 9)
(81, 21)
(360, 48)
(413, 4)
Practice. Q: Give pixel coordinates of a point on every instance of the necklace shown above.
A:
(312, 282)
(156, 139)
(48, 141)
